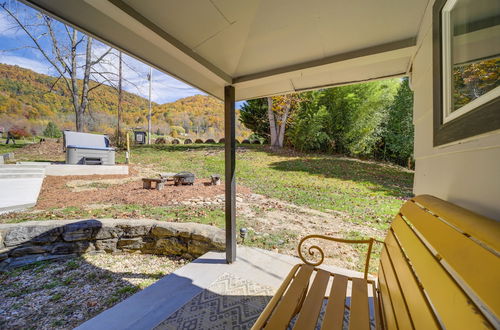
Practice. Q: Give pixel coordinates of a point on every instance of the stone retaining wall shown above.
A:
(26, 242)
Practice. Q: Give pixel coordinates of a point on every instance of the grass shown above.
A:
(6, 148)
(368, 192)
(363, 192)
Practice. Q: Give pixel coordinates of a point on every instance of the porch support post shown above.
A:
(230, 164)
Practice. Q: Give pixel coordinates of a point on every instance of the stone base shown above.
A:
(26, 242)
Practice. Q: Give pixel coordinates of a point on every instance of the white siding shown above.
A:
(466, 173)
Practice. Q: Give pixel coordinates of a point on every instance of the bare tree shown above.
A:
(64, 58)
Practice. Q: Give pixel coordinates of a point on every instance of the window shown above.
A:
(466, 68)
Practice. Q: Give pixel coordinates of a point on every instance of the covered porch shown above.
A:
(239, 50)
(207, 293)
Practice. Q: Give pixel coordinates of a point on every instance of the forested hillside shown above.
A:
(30, 100)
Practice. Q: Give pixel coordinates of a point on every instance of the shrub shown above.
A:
(18, 133)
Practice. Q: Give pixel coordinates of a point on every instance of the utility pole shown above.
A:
(150, 77)
(120, 100)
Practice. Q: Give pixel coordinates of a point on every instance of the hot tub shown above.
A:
(88, 149)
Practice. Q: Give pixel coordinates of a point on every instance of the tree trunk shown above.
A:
(86, 79)
(284, 118)
(272, 122)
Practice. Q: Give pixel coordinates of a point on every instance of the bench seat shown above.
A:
(439, 268)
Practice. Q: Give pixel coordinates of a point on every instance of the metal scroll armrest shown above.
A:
(314, 248)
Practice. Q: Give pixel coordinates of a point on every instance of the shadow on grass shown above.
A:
(378, 177)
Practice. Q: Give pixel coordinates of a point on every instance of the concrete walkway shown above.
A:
(19, 186)
(149, 307)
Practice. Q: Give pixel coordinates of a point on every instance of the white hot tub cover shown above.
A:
(85, 140)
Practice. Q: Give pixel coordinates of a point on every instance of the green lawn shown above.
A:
(367, 192)
(362, 196)
(5, 148)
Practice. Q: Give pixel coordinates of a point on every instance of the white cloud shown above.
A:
(25, 62)
(164, 89)
(6, 27)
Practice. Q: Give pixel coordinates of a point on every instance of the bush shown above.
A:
(18, 133)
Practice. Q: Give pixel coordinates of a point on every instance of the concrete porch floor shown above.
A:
(148, 308)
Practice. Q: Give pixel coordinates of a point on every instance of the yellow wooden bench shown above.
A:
(439, 268)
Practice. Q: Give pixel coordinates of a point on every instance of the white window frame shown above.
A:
(448, 115)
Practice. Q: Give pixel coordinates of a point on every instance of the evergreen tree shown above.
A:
(52, 130)
(399, 131)
(253, 114)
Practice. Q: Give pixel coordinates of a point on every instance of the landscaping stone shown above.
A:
(69, 248)
(170, 246)
(131, 243)
(108, 232)
(81, 231)
(197, 248)
(107, 245)
(67, 237)
(4, 254)
(35, 234)
(33, 249)
(134, 229)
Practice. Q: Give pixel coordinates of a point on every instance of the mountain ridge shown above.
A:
(30, 100)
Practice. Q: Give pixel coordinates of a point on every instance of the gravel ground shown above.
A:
(63, 294)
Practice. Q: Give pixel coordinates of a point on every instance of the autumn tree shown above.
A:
(69, 54)
(278, 112)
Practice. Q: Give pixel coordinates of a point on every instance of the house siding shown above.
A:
(467, 172)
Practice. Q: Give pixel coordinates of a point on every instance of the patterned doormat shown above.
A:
(228, 303)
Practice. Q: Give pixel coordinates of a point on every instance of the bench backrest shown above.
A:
(440, 266)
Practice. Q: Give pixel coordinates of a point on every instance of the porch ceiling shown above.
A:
(261, 47)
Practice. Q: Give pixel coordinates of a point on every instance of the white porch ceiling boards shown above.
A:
(263, 47)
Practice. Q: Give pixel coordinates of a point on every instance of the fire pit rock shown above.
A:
(184, 178)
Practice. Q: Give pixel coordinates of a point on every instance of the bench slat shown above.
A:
(308, 315)
(454, 307)
(334, 313)
(465, 256)
(259, 324)
(484, 229)
(376, 303)
(360, 312)
(420, 311)
(385, 297)
(292, 298)
(398, 301)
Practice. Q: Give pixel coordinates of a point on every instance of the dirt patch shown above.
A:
(58, 192)
(50, 148)
(285, 224)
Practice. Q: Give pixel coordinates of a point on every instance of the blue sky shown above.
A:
(17, 49)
